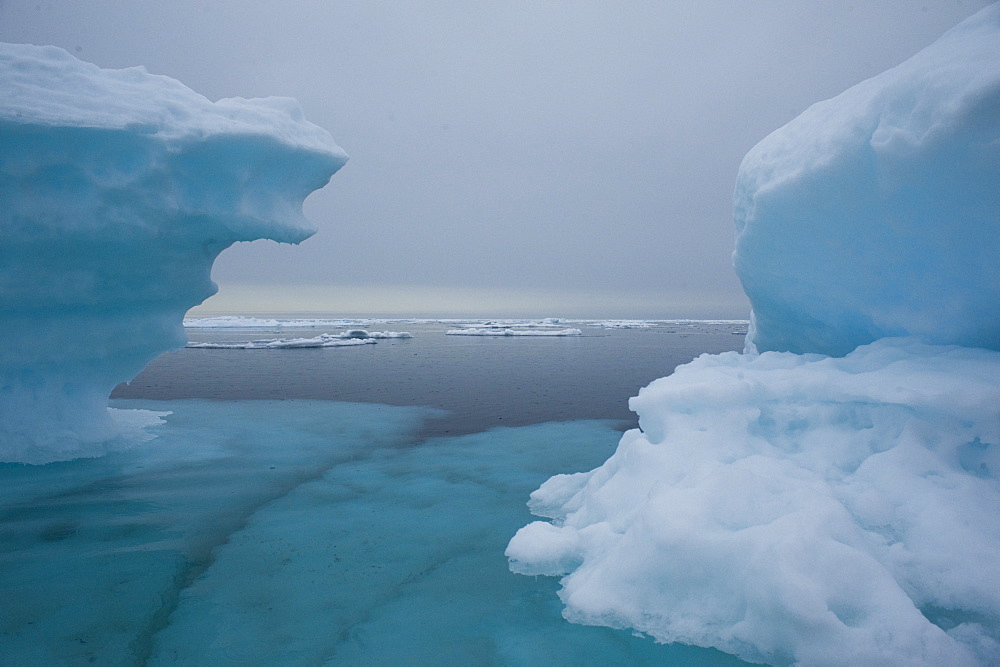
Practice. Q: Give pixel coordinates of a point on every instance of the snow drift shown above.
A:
(832, 496)
(119, 189)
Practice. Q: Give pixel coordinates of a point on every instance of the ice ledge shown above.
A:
(120, 188)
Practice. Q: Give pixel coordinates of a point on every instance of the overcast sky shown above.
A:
(528, 158)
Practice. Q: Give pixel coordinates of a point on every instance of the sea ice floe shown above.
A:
(346, 338)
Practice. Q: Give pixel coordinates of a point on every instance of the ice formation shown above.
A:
(346, 338)
(875, 213)
(789, 508)
(686, 326)
(119, 189)
(323, 340)
(832, 496)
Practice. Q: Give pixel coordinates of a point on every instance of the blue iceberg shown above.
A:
(119, 189)
(874, 213)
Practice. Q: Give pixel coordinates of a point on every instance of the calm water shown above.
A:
(481, 382)
(364, 528)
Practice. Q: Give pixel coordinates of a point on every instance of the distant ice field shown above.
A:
(479, 381)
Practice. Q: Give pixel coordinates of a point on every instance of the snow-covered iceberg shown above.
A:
(875, 213)
(119, 189)
(831, 496)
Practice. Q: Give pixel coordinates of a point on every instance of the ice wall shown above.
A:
(877, 213)
(834, 498)
(119, 189)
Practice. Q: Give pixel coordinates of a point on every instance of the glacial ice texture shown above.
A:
(119, 189)
(832, 496)
(876, 213)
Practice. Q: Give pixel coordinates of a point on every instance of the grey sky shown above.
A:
(507, 158)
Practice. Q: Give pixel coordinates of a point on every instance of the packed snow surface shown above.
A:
(833, 495)
(119, 189)
(876, 213)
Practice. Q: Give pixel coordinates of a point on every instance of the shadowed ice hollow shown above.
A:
(791, 507)
(119, 189)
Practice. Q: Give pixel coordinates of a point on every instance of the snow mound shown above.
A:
(794, 508)
(875, 213)
(119, 189)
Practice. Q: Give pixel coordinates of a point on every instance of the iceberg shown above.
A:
(120, 188)
(874, 213)
(832, 495)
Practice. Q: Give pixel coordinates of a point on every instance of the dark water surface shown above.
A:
(481, 382)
